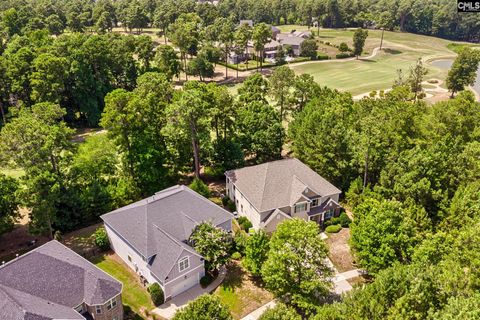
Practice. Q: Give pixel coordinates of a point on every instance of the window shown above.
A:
(129, 258)
(329, 213)
(314, 202)
(111, 304)
(300, 207)
(241, 207)
(183, 264)
(98, 309)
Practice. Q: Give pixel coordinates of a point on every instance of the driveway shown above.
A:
(169, 308)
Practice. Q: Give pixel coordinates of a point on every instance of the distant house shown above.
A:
(274, 191)
(275, 32)
(152, 235)
(249, 22)
(292, 41)
(53, 282)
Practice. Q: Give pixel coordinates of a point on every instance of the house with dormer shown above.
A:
(152, 237)
(274, 191)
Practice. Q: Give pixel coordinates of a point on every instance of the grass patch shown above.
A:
(240, 292)
(134, 295)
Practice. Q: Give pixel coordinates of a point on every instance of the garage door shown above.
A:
(185, 285)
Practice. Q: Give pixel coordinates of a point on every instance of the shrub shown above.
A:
(213, 172)
(344, 220)
(231, 206)
(57, 235)
(343, 55)
(236, 256)
(322, 56)
(206, 280)
(280, 312)
(206, 306)
(200, 187)
(240, 242)
(101, 239)
(244, 223)
(156, 293)
(333, 228)
(343, 47)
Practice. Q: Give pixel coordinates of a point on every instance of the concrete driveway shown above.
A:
(169, 308)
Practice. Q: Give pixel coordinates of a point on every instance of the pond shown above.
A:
(446, 64)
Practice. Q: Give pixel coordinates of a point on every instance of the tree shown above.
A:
(212, 243)
(281, 83)
(320, 136)
(184, 33)
(305, 89)
(280, 312)
(308, 48)
(9, 203)
(260, 131)
(156, 293)
(280, 58)
(383, 232)
(415, 78)
(205, 307)
(296, 268)
(47, 81)
(226, 36)
(144, 49)
(40, 144)
(167, 61)
(261, 36)
(463, 71)
(343, 47)
(359, 37)
(190, 114)
(256, 252)
(200, 66)
(242, 36)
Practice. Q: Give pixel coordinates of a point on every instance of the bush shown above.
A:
(200, 187)
(333, 228)
(342, 220)
(240, 242)
(236, 256)
(244, 223)
(343, 55)
(206, 280)
(322, 56)
(156, 293)
(343, 47)
(101, 239)
(280, 312)
(213, 172)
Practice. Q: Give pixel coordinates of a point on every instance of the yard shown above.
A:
(339, 250)
(241, 292)
(136, 299)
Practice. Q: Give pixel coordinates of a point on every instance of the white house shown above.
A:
(151, 236)
(274, 191)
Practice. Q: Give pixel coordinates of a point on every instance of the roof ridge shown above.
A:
(267, 165)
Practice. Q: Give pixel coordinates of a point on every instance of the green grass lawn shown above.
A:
(402, 51)
(241, 293)
(134, 294)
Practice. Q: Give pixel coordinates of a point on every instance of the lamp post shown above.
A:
(381, 41)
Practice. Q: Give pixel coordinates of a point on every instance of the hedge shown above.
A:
(333, 228)
(343, 55)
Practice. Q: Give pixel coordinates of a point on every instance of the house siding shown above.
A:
(244, 207)
(123, 250)
(113, 314)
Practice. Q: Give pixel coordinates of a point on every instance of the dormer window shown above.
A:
(314, 202)
(183, 264)
(300, 207)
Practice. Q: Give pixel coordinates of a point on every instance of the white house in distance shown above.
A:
(274, 191)
(151, 236)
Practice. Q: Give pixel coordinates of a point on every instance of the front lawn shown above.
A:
(134, 295)
(241, 292)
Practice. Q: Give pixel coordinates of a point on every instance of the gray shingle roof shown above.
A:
(50, 281)
(279, 183)
(292, 40)
(162, 223)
